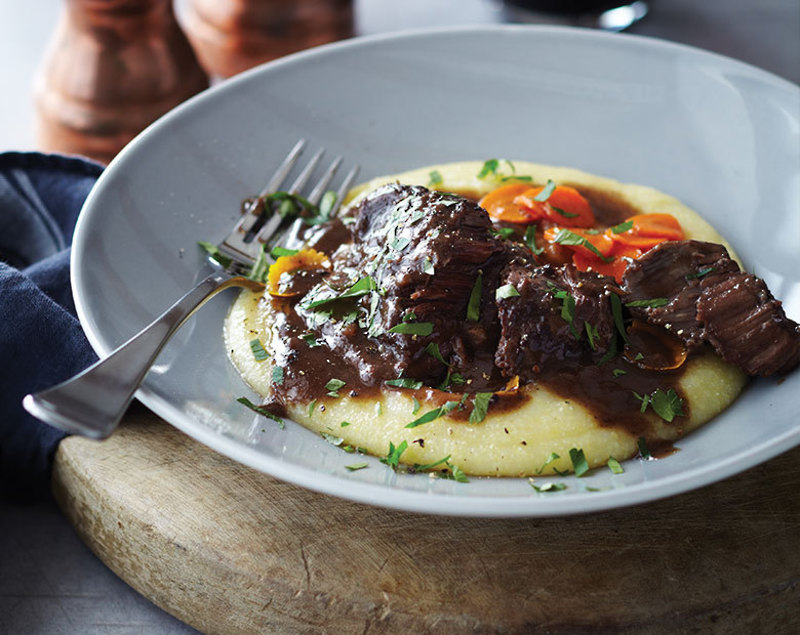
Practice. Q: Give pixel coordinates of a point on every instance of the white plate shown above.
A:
(722, 136)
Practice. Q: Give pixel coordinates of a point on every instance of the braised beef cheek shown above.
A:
(711, 300)
(535, 335)
(421, 287)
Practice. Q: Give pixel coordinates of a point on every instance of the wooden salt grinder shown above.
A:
(231, 36)
(112, 68)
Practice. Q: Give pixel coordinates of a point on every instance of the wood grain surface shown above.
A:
(230, 550)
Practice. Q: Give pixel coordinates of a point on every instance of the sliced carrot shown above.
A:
(647, 230)
(599, 244)
(510, 389)
(622, 250)
(565, 206)
(614, 269)
(554, 253)
(500, 203)
(595, 251)
(606, 252)
(305, 259)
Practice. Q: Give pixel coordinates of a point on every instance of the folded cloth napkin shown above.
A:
(41, 340)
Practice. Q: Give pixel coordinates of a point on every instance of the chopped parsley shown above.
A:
(506, 291)
(567, 237)
(644, 452)
(614, 466)
(553, 457)
(456, 473)
(413, 328)
(310, 339)
(667, 405)
(547, 192)
(332, 439)
(432, 349)
(431, 415)
(451, 378)
(622, 227)
(362, 286)
(399, 244)
(503, 232)
(392, 458)
(259, 354)
(616, 312)
(516, 177)
(699, 274)
(428, 466)
(530, 240)
(474, 304)
(609, 354)
(404, 382)
(592, 334)
(260, 410)
(480, 406)
(649, 303)
(567, 307)
(489, 167)
(333, 387)
(373, 329)
(434, 178)
(579, 464)
(563, 213)
(548, 487)
(492, 167)
(278, 251)
(260, 269)
(645, 399)
(214, 253)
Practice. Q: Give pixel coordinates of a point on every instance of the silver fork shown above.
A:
(93, 402)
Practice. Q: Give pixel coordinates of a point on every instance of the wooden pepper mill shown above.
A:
(113, 67)
(233, 35)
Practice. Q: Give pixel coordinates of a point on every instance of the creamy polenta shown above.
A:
(522, 437)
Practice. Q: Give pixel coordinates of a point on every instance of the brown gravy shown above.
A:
(611, 391)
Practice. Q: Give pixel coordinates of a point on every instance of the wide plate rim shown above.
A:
(527, 506)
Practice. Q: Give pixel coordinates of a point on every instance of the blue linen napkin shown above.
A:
(41, 340)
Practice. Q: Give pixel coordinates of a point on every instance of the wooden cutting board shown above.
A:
(230, 550)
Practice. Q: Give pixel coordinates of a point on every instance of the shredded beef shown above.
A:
(674, 270)
(748, 327)
(407, 236)
(711, 300)
(536, 330)
(426, 252)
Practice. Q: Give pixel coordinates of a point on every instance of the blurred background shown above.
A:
(60, 64)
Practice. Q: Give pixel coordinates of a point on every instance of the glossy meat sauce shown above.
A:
(430, 257)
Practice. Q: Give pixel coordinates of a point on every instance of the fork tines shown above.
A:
(259, 225)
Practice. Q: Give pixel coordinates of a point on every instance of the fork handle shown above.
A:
(93, 402)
